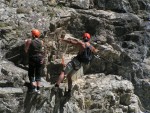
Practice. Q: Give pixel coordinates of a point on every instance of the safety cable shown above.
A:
(63, 62)
(11, 57)
(99, 57)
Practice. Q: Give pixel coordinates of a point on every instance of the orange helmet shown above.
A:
(87, 35)
(36, 33)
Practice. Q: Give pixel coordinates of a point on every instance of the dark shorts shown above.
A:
(35, 69)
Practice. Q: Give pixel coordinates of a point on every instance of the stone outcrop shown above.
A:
(91, 93)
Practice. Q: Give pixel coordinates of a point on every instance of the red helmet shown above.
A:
(86, 35)
(36, 33)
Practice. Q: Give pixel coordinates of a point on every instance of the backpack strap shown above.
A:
(90, 46)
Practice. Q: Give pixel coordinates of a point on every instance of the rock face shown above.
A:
(119, 76)
(91, 93)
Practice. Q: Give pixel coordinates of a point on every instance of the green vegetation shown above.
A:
(59, 6)
(52, 14)
(88, 103)
(22, 10)
(8, 1)
(3, 24)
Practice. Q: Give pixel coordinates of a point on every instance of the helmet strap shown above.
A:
(85, 39)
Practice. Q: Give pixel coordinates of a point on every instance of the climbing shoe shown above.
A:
(34, 90)
(38, 92)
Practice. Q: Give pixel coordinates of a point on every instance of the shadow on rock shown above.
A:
(33, 101)
(60, 100)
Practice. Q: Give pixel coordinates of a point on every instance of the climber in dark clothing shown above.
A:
(36, 58)
(84, 56)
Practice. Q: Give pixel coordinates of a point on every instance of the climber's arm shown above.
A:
(94, 50)
(27, 44)
(72, 41)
